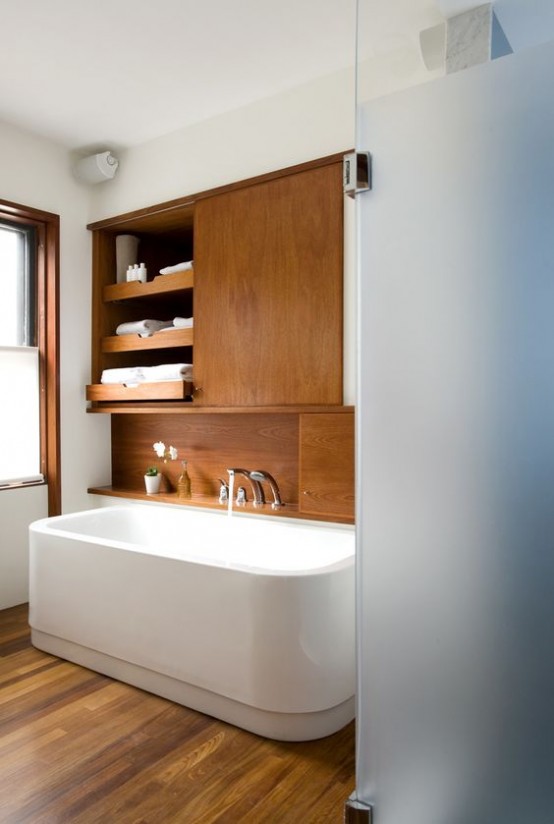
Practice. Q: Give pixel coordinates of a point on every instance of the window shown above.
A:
(29, 391)
(17, 308)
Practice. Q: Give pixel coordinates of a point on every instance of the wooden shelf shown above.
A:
(287, 511)
(162, 284)
(159, 340)
(161, 390)
(194, 408)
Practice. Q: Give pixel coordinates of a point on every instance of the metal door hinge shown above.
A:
(356, 812)
(356, 173)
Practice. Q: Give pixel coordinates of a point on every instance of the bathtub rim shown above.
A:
(46, 526)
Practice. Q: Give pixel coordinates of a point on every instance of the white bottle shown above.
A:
(129, 275)
(142, 273)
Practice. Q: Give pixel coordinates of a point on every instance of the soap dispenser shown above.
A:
(142, 274)
(183, 482)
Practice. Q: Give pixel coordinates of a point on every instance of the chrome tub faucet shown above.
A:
(257, 490)
(259, 476)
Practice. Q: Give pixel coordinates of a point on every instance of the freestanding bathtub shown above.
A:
(248, 619)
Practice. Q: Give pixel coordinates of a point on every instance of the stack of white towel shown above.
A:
(133, 375)
(179, 323)
(144, 328)
(147, 328)
(186, 266)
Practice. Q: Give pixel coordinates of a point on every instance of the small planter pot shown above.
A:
(152, 483)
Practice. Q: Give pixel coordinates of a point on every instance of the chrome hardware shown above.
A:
(257, 490)
(260, 476)
(240, 500)
(223, 492)
(356, 168)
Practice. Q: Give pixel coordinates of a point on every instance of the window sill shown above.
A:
(19, 483)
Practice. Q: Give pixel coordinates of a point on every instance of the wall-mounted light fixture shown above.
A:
(96, 168)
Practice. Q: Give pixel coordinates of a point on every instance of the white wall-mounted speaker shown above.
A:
(96, 168)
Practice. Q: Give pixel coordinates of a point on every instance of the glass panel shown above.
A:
(19, 414)
(456, 444)
(17, 324)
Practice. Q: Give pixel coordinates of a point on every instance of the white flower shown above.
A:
(166, 454)
(159, 449)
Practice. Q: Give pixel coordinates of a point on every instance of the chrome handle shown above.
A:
(223, 492)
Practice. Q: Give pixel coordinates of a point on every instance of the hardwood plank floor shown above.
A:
(79, 747)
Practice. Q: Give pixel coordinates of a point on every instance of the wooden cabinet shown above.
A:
(310, 454)
(266, 294)
(164, 239)
(326, 464)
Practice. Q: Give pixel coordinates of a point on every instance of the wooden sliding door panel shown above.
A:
(268, 292)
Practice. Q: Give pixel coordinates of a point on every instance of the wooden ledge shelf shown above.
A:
(161, 390)
(159, 340)
(194, 408)
(287, 511)
(162, 284)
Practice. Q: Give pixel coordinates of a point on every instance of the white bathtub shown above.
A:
(247, 619)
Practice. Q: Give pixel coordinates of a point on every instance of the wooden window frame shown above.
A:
(47, 226)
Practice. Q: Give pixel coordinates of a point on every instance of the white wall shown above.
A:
(311, 121)
(36, 173)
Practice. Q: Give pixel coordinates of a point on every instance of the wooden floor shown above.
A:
(76, 746)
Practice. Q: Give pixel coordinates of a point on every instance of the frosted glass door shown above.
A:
(456, 448)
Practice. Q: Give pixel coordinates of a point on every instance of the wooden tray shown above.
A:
(179, 281)
(159, 391)
(159, 340)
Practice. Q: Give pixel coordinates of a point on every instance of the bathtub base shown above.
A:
(276, 725)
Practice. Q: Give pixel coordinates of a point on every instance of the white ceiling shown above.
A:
(120, 72)
(97, 74)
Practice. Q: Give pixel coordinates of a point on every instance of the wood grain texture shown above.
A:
(162, 390)
(162, 297)
(50, 382)
(79, 748)
(268, 292)
(186, 408)
(326, 464)
(170, 213)
(161, 284)
(211, 443)
(288, 511)
(161, 340)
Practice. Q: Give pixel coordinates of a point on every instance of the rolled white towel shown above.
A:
(132, 375)
(129, 374)
(144, 328)
(168, 372)
(179, 323)
(178, 267)
(183, 323)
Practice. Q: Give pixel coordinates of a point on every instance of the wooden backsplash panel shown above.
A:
(210, 444)
(326, 484)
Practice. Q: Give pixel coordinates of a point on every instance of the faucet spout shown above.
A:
(259, 476)
(257, 490)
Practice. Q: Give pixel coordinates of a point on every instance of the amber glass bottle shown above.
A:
(183, 483)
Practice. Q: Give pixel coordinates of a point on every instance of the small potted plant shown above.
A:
(153, 477)
(152, 480)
